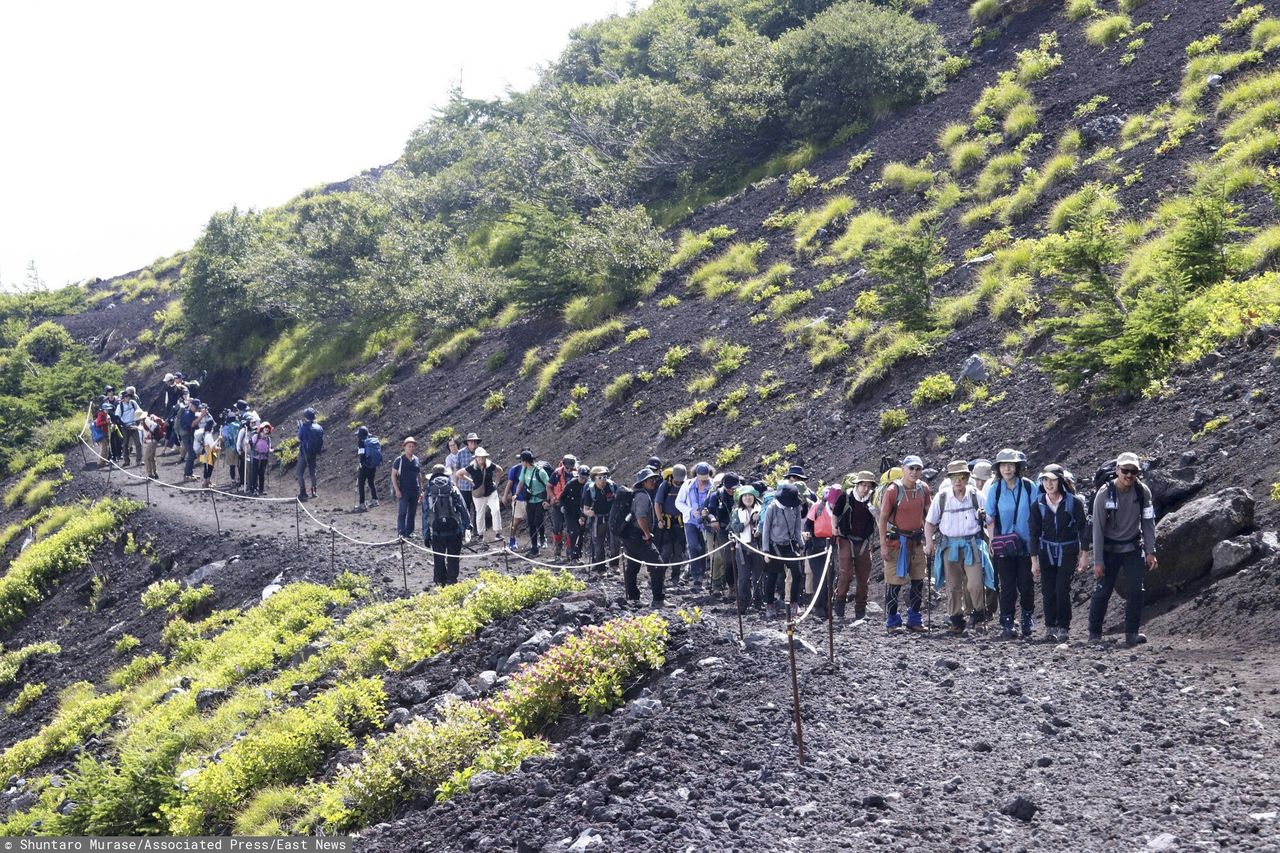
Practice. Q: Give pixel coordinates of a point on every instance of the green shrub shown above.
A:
(26, 697)
(570, 413)
(868, 304)
(967, 156)
(1266, 35)
(906, 266)
(952, 135)
(11, 662)
(1020, 121)
(785, 303)
(863, 232)
(984, 11)
(674, 357)
(1035, 64)
(809, 225)
(714, 277)
(1108, 30)
(668, 302)
(1275, 492)
(934, 388)
(619, 388)
(496, 401)
(636, 335)
(192, 600)
(800, 183)
(892, 420)
(126, 643)
(1248, 16)
(159, 593)
(675, 423)
(769, 282)
(858, 162)
(831, 282)
(1001, 97)
(1077, 9)
(998, 174)
(585, 312)
(1201, 46)
(451, 351)
(728, 455)
(136, 670)
(692, 245)
(906, 178)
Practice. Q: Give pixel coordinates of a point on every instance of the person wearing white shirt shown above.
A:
(954, 524)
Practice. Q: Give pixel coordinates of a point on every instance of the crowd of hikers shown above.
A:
(983, 539)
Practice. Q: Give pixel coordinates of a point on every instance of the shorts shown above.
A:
(520, 510)
(917, 563)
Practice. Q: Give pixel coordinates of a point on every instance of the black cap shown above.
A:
(526, 455)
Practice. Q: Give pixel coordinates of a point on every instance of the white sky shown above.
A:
(125, 124)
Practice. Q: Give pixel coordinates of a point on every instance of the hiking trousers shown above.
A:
(536, 511)
(132, 439)
(259, 482)
(149, 460)
(1017, 587)
(1055, 588)
(964, 584)
(189, 456)
(637, 551)
(306, 466)
(447, 559)
(854, 560)
(603, 546)
(367, 475)
(406, 514)
(490, 502)
(697, 548)
(721, 560)
(671, 544)
(750, 578)
(470, 505)
(794, 570)
(1132, 565)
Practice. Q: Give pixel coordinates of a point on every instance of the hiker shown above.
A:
(260, 450)
(445, 525)
(819, 524)
(535, 481)
(670, 538)
(718, 509)
(1060, 545)
(244, 447)
(152, 438)
(744, 527)
(903, 505)
(451, 455)
(559, 478)
(102, 427)
(207, 442)
(166, 396)
(186, 425)
(513, 496)
(230, 441)
(128, 412)
(369, 457)
(1124, 530)
(406, 483)
(856, 526)
(596, 508)
(636, 535)
(310, 446)
(571, 504)
(691, 502)
(482, 476)
(467, 455)
(952, 530)
(782, 535)
(1009, 502)
(981, 480)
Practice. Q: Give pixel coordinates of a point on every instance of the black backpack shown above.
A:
(444, 515)
(621, 522)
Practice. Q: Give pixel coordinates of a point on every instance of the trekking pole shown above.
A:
(333, 548)
(404, 569)
(216, 521)
(148, 491)
(831, 603)
(297, 519)
(795, 688)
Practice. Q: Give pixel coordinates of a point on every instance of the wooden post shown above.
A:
(795, 688)
(404, 569)
(148, 491)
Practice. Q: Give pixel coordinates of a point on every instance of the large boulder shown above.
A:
(1185, 538)
(1170, 488)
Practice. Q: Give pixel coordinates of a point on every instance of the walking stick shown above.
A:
(795, 688)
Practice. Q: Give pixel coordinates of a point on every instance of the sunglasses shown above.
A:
(1129, 472)
(915, 467)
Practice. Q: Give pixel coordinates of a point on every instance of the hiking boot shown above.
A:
(359, 508)
(1006, 633)
(915, 622)
(658, 604)
(532, 552)
(859, 613)
(1050, 635)
(511, 543)
(1132, 640)
(313, 493)
(839, 608)
(893, 623)
(770, 611)
(1063, 635)
(1095, 637)
(373, 503)
(302, 496)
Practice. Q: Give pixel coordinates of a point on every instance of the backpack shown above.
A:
(823, 520)
(978, 510)
(887, 478)
(621, 522)
(372, 452)
(1070, 502)
(96, 432)
(919, 490)
(230, 433)
(314, 439)
(1143, 504)
(444, 515)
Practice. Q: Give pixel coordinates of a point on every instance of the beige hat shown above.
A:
(410, 440)
(982, 470)
(958, 466)
(864, 477)
(1128, 459)
(598, 470)
(480, 451)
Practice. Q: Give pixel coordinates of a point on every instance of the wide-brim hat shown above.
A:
(1128, 459)
(1008, 454)
(864, 477)
(958, 466)
(746, 490)
(982, 470)
(481, 453)
(599, 471)
(797, 471)
(410, 440)
(644, 475)
(471, 436)
(265, 425)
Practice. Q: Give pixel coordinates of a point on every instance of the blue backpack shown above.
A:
(314, 442)
(372, 452)
(230, 432)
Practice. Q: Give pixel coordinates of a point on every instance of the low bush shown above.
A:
(451, 351)
(863, 232)
(570, 413)
(1108, 30)
(906, 178)
(586, 311)
(619, 388)
(1001, 97)
(785, 303)
(1266, 35)
(674, 424)
(11, 662)
(934, 388)
(636, 335)
(693, 245)
(126, 643)
(1020, 121)
(800, 183)
(496, 401)
(984, 11)
(807, 228)
(966, 156)
(1036, 63)
(892, 420)
(739, 260)
(26, 697)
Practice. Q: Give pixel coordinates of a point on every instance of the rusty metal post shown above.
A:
(217, 522)
(795, 688)
(404, 568)
(297, 519)
(333, 549)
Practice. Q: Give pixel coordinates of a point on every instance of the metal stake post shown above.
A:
(333, 549)
(404, 569)
(795, 688)
(217, 522)
(297, 519)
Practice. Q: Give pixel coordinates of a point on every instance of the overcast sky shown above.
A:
(125, 124)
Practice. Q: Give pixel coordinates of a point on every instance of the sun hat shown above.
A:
(982, 469)
(959, 466)
(644, 475)
(168, 377)
(797, 471)
(702, 469)
(1008, 454)
(746, 490)
(1049, 472)
(481, 452)
(864, 477)
(410, 440)
(679, 473)
(437, 469)
(600, 471)
(1130, 459)
(471, 436)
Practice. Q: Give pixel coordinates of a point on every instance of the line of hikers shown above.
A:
(984, 538)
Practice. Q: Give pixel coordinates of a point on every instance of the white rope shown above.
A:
(820, 588)
(769, 556)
